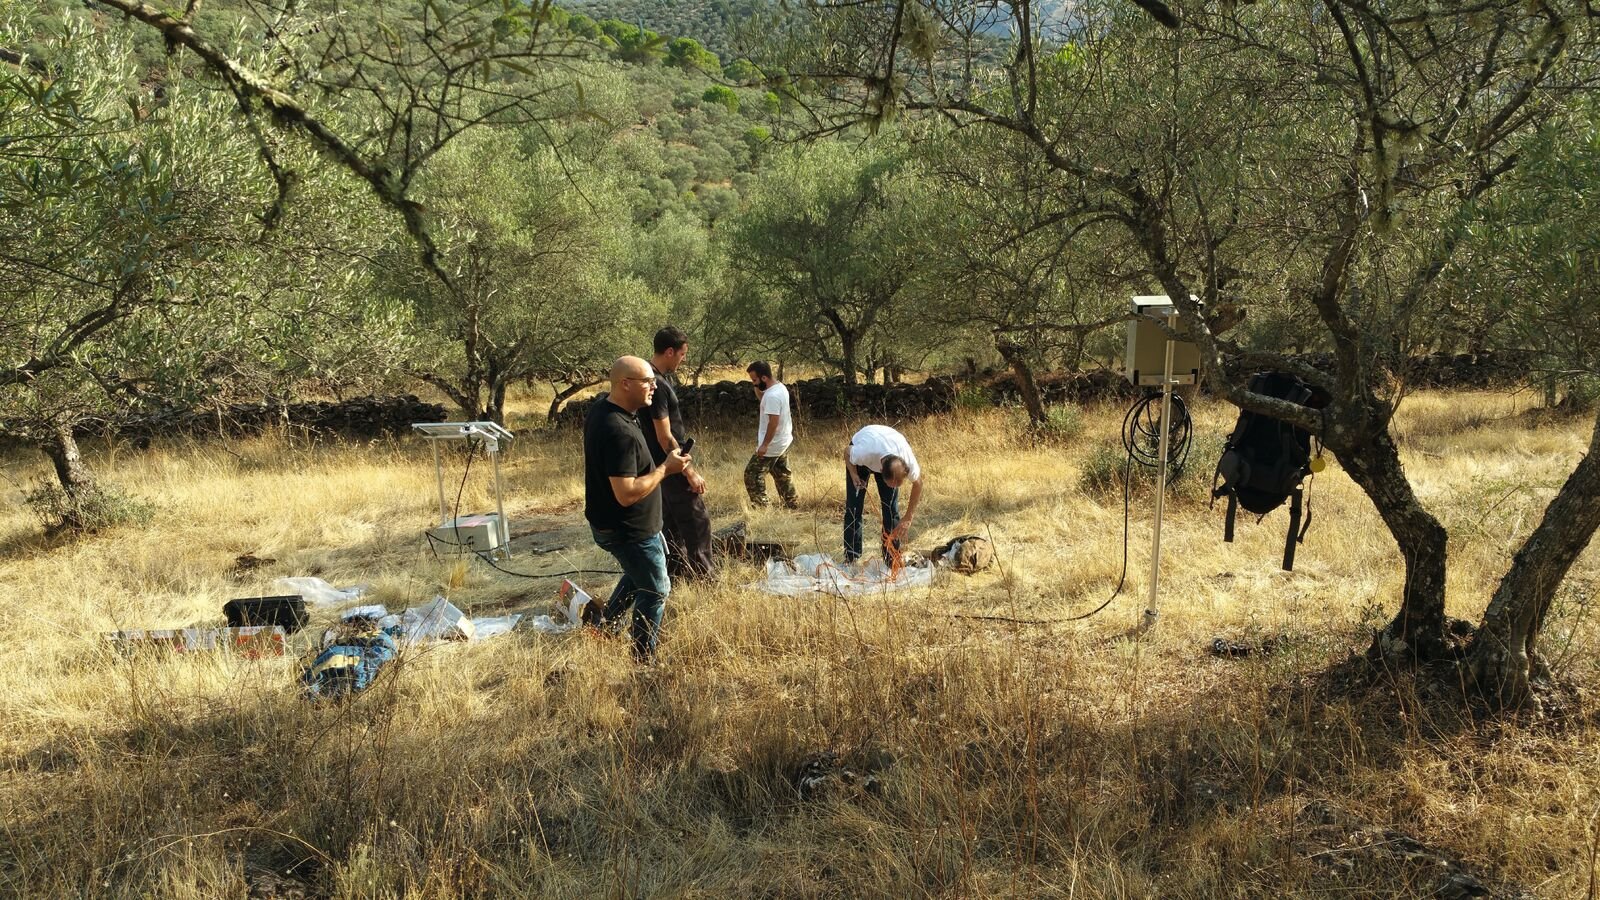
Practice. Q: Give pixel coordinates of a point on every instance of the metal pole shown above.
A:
(500, 498)
(1161, 478)
(438, 472)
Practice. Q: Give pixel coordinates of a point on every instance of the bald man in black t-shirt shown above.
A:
(622, 500)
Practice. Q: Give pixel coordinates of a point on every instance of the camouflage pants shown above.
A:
(755, 480)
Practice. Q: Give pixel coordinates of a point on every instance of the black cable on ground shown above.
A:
(1127, 491)
(1141, 437)
(494, 565)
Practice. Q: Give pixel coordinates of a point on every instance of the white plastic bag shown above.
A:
(437, 620)
(817, 573)
(484, 628)
(319, 592)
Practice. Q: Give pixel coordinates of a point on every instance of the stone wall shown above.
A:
(359, 417)
(831, 398)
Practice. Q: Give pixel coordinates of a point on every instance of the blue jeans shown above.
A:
(855, 504)
(644, 585)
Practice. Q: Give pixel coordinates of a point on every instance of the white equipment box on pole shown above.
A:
(1146, 359)
(1157, 359)
(480, 533)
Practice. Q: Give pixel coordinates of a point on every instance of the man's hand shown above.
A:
(675, 462)
(901, 531)
(855, 479)
(697, 483)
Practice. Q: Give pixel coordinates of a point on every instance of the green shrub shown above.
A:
(972, 397)
(1102, 473)
(1193, 481)
(741, 71)
(1061, 424)
(757, 135)
(722, 95)
(1582, 394)
(1104, 470)
(103, 507)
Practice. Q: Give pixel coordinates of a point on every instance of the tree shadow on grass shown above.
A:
(28, 542)
(864, 790)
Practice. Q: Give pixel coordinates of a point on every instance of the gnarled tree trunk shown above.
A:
(71, 471)
(849, 345)
(1417, 632)
(1012, 353)
(565, 394)
(847, 353)
(1504, 658)
(496, 410)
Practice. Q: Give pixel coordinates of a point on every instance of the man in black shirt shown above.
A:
(622, 499)
(685, 523)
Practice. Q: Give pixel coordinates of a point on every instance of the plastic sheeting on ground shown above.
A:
(549, 625)
(437, 620)
(487, 627)
(319, 592)
(817, 573)
(574, 600)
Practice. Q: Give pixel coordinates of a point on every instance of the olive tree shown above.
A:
(143, 266)
(1003, 264)
(1327, 156)
(533, 248)
(381, 91)
(826, 249)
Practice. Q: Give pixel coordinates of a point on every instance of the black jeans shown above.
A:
(855, 506)
(687, 528)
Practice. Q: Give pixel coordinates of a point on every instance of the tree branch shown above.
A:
(289, 112)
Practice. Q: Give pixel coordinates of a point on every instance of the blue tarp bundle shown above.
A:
(349, 665)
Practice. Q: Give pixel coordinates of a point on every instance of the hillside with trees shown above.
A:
(715, 24)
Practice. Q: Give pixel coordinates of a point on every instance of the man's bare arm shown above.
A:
(772, 429)
(631, 489)
(916, 497)
(904, 528)
(664, 434)
(669, 443)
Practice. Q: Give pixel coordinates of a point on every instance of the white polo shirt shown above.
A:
(872, 443)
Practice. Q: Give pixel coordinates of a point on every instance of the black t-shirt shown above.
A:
(614, 445)
(663, 406)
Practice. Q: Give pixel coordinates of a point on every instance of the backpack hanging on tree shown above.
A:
(1265, 460)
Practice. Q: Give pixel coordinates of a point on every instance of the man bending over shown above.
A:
(884, 454)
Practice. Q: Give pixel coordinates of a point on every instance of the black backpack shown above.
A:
(1266, 460)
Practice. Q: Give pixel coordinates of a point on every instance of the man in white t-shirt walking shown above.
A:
(774, 434)
(885, 454)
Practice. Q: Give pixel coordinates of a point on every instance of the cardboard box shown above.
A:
(574, 601)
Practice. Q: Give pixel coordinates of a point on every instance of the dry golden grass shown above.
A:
(1014, 760)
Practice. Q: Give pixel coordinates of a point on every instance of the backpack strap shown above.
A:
(1233, 509)
(1307, 526)
(1294, 531)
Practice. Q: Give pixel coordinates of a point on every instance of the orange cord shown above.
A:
(897, 557)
